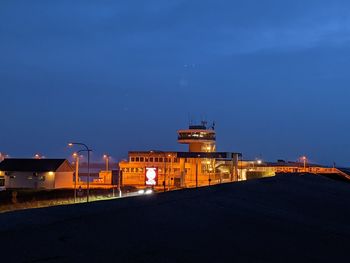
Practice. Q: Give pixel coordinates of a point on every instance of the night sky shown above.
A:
(126, 75)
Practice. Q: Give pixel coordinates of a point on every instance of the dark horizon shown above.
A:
(122, 77)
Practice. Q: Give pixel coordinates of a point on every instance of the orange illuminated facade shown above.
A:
(202, 165)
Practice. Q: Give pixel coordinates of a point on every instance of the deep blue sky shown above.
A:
(125, 75)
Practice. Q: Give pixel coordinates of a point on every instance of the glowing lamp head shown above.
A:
(70, 144)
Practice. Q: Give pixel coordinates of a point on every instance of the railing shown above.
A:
(199, 138)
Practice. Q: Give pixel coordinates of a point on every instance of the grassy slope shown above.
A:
(280, 219)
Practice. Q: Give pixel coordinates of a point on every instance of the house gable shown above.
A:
(65, 167)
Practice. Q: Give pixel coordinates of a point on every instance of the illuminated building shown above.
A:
(202, 165)
(37, 173)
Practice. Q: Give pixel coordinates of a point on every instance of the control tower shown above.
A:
(200, 138)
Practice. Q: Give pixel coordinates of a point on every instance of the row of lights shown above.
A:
(76, 155)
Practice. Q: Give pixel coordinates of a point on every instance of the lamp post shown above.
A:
(304, 159)
(197, 169)
(171, 169)
(106, 157)
(76, 156)
(88, 178)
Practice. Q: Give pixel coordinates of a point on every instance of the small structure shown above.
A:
(37, 173)
(105, 177)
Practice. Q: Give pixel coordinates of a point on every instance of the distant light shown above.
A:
(148, 191)
(141, 192)
(51, 173)
(70, 144)
(259, 162)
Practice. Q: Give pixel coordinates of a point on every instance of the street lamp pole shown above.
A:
(77, 158)
(76, 155)
(197, 170)
(88, 178)
(170, 170)
(304, 160)
(106, 157)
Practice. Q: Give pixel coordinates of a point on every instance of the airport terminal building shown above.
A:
(202, 165)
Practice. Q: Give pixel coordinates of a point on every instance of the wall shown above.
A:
(29, 180)
(64, 180)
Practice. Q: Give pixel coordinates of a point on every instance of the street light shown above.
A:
(304, 159)
(38, 156)
(106, 157)
(71, 144)
(170, 170)
(197, 169)
(76, 156)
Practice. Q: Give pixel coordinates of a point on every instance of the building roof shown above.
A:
(30, 165)
(292, 164)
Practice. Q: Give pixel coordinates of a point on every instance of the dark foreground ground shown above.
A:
(282, 219)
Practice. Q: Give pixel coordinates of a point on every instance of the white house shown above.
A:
(37, 173)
